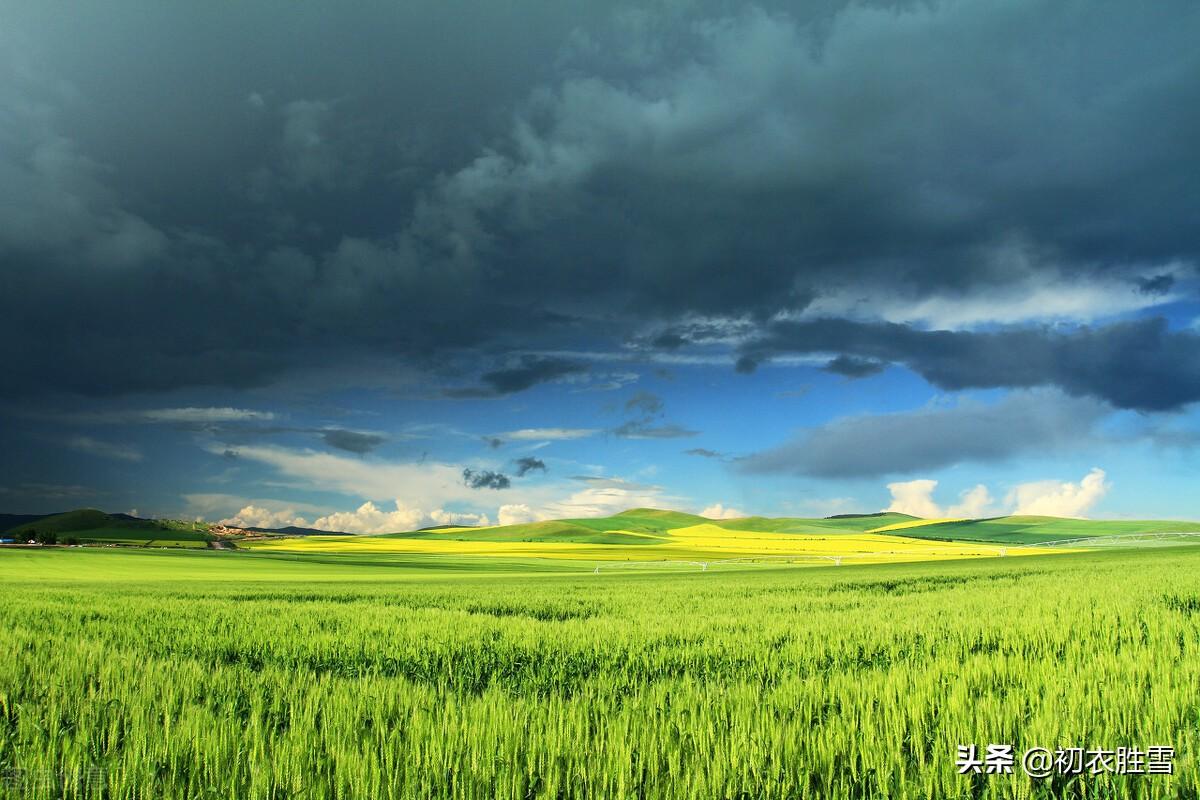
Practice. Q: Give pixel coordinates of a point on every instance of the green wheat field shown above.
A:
(183, 673)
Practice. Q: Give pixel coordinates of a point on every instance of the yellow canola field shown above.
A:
(697, 543)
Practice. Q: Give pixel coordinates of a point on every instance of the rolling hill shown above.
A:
(639, 534)
(90, 526)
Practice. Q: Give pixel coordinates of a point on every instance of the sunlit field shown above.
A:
(705, 543)
(179, 674)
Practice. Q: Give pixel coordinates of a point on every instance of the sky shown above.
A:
(392, 265)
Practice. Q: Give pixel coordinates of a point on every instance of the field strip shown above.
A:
(915, 523)
(1122, 540)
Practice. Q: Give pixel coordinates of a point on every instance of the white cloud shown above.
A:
(536, 434)
(1060, 499)
(95, 447)
(435, 483)
(442, 517)
(607, 496)
(972, 504)
(718, 511)
(1029, 296)
(915, 498)
(517, 514)
(253, 516)
(368, 518)
(1043, 498)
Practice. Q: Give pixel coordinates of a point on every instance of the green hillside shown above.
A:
(605, 530)
(90, 526)
(1036, 530)
(845, 524)
(649, 525)
(638, 526)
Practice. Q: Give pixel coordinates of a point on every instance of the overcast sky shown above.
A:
(399, 264)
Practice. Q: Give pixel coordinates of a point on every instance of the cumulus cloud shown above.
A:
(370, 519)
(517, 514)
(1060, 499)
(1044, 498)
(915, 498)
(973, 503)
(719, 511)
(252, 516)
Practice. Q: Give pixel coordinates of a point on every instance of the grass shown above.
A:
(646, 535)
(90, 526)
(253, 675)
(1033, 530)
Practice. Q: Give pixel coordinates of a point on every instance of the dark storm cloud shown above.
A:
(420, 182)
(529, 371)
(1140, 365)
(352, 441)
(1156, 284)
(527, 464)
(893, 444)
(852, 367)
(485, 479)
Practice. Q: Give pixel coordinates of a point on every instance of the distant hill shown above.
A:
(635, 527)
(874, 514)
(89, 525)
(1038, 529)
(292, 530)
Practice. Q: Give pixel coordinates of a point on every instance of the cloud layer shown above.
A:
(931, 438)
(613, 162)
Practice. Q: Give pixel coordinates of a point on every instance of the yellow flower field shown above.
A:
(703, 542)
